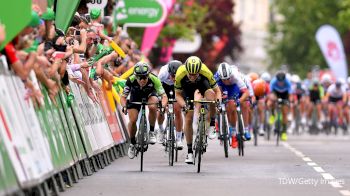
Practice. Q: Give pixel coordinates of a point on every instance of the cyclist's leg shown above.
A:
(152, 115)
(132, 128)
(261, 109)
(209, 95)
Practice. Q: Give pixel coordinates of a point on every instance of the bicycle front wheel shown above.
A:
(199, 146)
(171, 141)
(224, 134)
(240, 138)
(141, 139)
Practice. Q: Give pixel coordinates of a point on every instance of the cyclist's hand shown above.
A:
(185, 108)
(125, 110)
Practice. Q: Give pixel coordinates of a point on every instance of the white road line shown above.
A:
(345, 192)
(327, 176)
(318, 169)
(307, 159)
(336, 185)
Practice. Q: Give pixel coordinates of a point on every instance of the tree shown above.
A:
(292, 39)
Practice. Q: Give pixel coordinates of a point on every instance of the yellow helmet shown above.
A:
(193, 65)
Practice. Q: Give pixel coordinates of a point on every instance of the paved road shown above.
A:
(298, 167)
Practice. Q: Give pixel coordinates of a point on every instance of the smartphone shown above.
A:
(58, 55)
(76, 32)
(87, 16)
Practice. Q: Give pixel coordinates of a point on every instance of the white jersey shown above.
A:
(336, 93)
(164, 75)
(248, 84)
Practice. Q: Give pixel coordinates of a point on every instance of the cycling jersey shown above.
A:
(182, 81)
(334, 92)
(235, 89)
(248, 84)
(284, 87)
(316, 94)
(164, 75)
(153, 84)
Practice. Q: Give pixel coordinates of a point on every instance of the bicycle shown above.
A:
(170, 131)
(200, 143)
(278, 122)
(142, 134)
(223, 128)
(240, 127)
(255, 124)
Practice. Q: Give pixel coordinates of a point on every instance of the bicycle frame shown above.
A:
(278, 120)
(170, 131)
(200, 142)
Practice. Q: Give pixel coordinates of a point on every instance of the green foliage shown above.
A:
(292, 38)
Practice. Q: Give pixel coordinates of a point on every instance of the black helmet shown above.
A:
(173, 66)
(141, 69)
(280, 76)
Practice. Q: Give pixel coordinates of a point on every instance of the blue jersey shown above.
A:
(232, 90)
(276, 87)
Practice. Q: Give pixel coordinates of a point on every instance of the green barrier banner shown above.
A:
(8, 181)
(15, 16)
(30, 163)
(100, 128)
(85, 117)
(73, 129)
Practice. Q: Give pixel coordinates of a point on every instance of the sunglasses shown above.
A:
(143, 77)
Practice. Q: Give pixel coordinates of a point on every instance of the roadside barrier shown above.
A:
(44, 150)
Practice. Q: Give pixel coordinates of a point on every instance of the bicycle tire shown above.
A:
(255, 127)
(142, 139)
(278, 128)
(171, 141)
(240, 138)
(224, 133)
(199, 148)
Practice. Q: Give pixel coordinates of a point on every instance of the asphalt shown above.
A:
(264, 170)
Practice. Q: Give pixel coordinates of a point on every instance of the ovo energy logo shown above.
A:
(140, 13)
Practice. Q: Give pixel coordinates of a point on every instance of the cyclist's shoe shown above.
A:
(131, 151)
(160, 136)
(246, 136)
(152, 137)
(319, 125)
(261, 131)
(284, 137)
(179, 145)
(211, 132)
(234, 142)
(303, 120)
(189, 158)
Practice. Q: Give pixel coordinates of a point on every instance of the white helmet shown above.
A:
(295, 78)
(288, 76)
(326, 78)
(266, 77)
(224, 71)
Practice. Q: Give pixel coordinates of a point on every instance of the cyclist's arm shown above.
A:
(164, 100)
(217, 93)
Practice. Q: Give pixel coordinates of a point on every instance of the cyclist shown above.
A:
(336, 97)
(194, 80)
(280, 87)
(316, 94)
(167, 77)
(299, 92)
(230, 81)
(142, 85)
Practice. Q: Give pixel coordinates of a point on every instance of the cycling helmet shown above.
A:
(280, 76)
(141, 69)
(266, 77)
(253, 76)
(295, 78)
(224, 71)
(193, 65)
(326, 78)
(173, 66)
